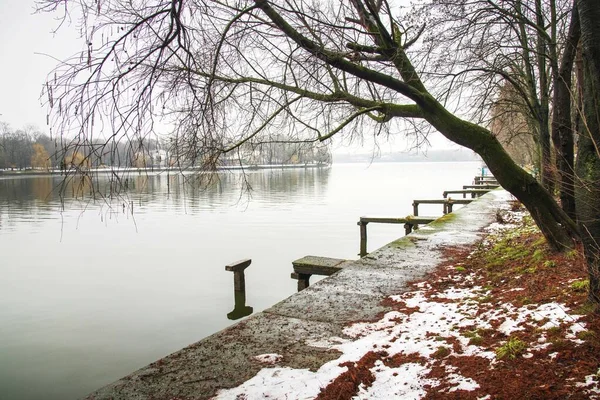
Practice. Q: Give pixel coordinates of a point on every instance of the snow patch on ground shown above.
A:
(328, 343)
(514, 319)
(405, 382)
(433, 325)
(281, 383)
(592, 385)
(397, 333)
(422, 332)
(462, 383)
(271, 358)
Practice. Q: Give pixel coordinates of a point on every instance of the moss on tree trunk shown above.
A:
(554, 223)
(562, 126)
(587, 191)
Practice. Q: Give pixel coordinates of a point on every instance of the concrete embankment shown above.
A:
(292, 327)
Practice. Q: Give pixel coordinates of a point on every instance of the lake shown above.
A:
(93, 290)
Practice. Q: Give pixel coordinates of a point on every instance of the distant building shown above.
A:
(158, 158)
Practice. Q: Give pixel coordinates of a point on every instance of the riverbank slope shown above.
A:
(410, 320)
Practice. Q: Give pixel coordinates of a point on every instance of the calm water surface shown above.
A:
(90, 293)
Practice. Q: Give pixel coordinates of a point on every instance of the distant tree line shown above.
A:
(279, 150)
(29, 148)
(24, 148)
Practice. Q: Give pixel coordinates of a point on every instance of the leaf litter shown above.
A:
(498, 320)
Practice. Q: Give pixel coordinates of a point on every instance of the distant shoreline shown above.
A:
(157, 170)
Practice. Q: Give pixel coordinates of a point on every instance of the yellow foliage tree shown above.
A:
(40, 158)
(140, 160)
(77, 160)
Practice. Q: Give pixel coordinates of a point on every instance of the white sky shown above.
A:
(22, 71)
(27, 46)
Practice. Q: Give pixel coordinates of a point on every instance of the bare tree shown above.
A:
(510, 123)
(485, 45)
(562, 123)
(226, 73)
(15, 148)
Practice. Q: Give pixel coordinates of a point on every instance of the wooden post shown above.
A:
(415, 208)
(485, 185)
(473, 192)
(479, 180)
(308, 266)
(363, 239)
(448, 206)
(303, 281)
(408, 228)
(238, 267)
(445, 210)
(240, 309)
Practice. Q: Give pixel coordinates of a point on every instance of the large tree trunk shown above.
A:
(562, 126)
(543, 108)
(555, 224)
(587, 190)
(547, 173)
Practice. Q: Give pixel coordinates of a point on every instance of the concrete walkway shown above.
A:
(227, 358)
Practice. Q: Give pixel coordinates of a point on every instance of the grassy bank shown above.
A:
(503, 319)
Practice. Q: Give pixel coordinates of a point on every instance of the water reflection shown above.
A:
(88, 297)
(240, 309)
(193, 193)
(41, 189)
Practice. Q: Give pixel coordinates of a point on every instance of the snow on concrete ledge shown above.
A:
(307, 335)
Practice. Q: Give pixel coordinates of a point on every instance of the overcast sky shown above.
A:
(27, 46)
(24, 37)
